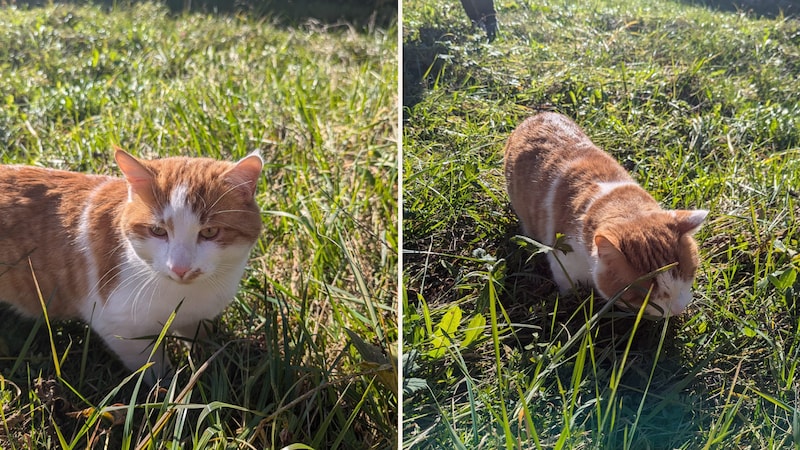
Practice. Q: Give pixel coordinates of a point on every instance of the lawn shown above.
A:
(304, 357)
(702, 107)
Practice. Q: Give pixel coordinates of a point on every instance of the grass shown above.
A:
(702, 107)
(299, 360)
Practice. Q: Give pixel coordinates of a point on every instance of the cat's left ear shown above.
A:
(244, 175)
(139, 177)
(689, 221)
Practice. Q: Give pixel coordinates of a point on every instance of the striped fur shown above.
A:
(558, 181)
(122, 253)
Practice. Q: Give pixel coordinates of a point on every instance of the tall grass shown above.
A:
(304, 355)
(701, 106)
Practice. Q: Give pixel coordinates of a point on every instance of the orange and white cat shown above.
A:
(123, 253)
(560, 182)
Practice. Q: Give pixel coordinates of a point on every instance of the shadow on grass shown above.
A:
(546, 320)
(361, 14)
(764, 8)
(530, 296)
(543, 323)
(434, 56)
(422, 63)
(53, 408)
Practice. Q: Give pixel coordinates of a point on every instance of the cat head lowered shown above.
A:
(190, 218)
(630, 249)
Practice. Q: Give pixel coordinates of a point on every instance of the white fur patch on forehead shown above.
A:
(675, 293)
(179, 211)
(178, 196)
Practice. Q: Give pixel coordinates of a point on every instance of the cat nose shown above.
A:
(180, 271)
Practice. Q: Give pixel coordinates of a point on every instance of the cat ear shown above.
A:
(135, 172)
(244, 175)
(138, 176)
(689, 221)
(607, 246)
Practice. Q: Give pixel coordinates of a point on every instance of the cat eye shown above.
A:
(209, 233)
(158, 231)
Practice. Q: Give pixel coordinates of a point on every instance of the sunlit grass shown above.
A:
(320, 106)
(701, 107)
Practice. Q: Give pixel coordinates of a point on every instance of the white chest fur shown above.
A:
(142, 301)
(576, 264)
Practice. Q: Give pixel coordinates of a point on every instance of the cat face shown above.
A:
(190, 218)
(630, 250)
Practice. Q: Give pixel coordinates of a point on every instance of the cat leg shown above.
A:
(559, 277)
(571, 268)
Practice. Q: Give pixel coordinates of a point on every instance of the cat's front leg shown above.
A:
(571, 266)
(562, 280)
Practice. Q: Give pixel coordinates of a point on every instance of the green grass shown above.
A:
(296, 359)
(702, 107)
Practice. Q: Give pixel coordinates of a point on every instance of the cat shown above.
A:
(558, 181)
(122, 253)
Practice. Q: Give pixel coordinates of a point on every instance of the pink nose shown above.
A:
(180, 271)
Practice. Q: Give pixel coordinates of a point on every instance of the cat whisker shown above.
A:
(114, 271)
(97, 287)
(152, 283)
(120, 287)
(134, 279)
(230, 189)
(232, 211)
(217, 283)
(106, 278)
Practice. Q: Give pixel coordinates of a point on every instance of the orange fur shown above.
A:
(558, 181)
(40, 212)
